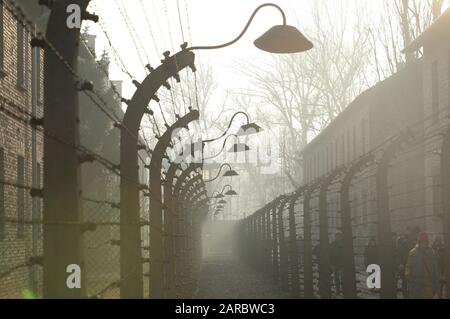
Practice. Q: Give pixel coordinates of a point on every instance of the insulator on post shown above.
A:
(143, 187)
(47, 3)
(126, 101)
(86, 158)
(114, 242)
(147, 195)
(184, 46)
(136, 83)
(141, 147)
(37, 121)
(90, 16)
(117, 125)
(193, 68)
(167, 85)
(85, 86)
(88, 226)
(149, 67)
(177, 116)
(147, 166)
(37, 42)
(36, 260)
(37, 192)
(148, 111)
(167, 125)
(145, 260)
(155, 98)
(176, 76)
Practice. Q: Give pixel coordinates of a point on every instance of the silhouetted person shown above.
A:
(337, 262)
(371, 252)
(421, 270)
(438, 249)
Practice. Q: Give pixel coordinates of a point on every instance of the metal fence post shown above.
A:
(294, 255)
(282, 246)
(325, 267)
(156, 277)
(307, 240)
(268, 243)
(349, 287)
(386, 244)
(275, 266)
(61, 214)
(130, 243)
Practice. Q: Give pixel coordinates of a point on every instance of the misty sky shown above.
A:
(204, 22)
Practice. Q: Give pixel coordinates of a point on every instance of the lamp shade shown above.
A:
(283, 39)
(219, 196)
(231, 172)
(231, 192)
(239, 147)
(249, 129)
(222, 201)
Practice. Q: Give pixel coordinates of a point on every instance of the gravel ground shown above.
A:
(223, 277)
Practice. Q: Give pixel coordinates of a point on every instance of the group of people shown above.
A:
(420, 266)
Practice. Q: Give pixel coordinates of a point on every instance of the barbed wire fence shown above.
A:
(414, 186)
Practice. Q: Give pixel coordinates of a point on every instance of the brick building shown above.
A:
(21, 153)
(21, 159)
(417, 97)
(435, 44)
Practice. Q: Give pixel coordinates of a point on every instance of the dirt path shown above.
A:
(226, 278)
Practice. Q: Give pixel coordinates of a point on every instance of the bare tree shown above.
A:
(309, 90)
(399, 23)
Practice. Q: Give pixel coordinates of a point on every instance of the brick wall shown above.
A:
(16, 246)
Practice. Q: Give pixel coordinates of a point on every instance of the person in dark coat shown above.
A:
(422, 271)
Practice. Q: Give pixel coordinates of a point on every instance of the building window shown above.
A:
(437, 204)
(2, 194)
(2, 43)
(21, 53)
(20, 197)
(434, 92)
